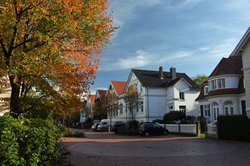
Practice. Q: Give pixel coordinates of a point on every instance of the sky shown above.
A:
(190, 35)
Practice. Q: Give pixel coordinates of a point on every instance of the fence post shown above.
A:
(198, 128)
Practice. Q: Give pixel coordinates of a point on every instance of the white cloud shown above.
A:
(140, 59)
(223, 49)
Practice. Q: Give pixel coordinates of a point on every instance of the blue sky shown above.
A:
(191, 35)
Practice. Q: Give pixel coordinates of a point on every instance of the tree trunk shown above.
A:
(14, 99)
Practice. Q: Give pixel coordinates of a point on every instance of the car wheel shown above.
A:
(165, 133)
(146, 134)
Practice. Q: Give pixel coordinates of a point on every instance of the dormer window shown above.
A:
(206, 90)
(221, 83)
(213, 84)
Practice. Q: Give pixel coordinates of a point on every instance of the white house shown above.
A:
(243, 49)
(227, 90)
(159, 93)
(223, 93)
(115, 98)
(5, 93)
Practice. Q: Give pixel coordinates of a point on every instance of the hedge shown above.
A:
(235, 127)
(27, 142)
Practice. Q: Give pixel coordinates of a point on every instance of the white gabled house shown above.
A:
(243, 49)
(227, 89)
(115, 99)
(159, 93)
(223, 93)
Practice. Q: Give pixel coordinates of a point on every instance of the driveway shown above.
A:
(111, 150)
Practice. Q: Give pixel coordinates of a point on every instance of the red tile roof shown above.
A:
(119, 86)
(231, 65)
(102, 93)
(92, 98)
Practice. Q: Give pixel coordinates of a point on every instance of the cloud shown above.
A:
(140, 59)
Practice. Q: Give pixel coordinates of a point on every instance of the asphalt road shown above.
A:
(108, 149)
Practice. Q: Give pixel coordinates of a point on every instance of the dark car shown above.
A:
(117, 125)
(149, 128)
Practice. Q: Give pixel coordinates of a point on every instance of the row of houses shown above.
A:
(225, 92)
(158, 92)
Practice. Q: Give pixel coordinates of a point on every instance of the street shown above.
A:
(111, 150)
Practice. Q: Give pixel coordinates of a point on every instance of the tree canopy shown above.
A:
(52, 46)
(199, 79)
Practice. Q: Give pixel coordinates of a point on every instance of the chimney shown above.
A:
(161, 76)
(173, 73)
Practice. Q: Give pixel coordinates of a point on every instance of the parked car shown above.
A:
(149, 128)
(117, 125)
(95, 125)
(104, 124)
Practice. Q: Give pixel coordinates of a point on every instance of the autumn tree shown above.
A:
(132, 100)
(51, 47)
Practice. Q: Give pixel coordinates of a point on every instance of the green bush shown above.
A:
(174, 117)
(133, 124)
(235, 127)
(27, 142)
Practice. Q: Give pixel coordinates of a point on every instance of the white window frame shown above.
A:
(206, 90)
(221, 83)
(213, 84)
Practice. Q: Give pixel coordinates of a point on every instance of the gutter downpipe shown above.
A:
(147, 105)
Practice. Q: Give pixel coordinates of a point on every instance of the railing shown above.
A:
(181, 128)
(212, 129)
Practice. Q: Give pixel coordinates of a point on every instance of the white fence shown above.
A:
(211, 129)
(181, 128)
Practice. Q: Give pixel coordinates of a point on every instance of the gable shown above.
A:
(182, 85)
(118, 86)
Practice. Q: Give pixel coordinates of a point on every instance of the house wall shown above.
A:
(155, 103)
(235, 99)
(192, 107)
(246, 69)
(231, 81)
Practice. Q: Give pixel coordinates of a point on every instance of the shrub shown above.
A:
(133, 124)
(235, 127)
(174, 117)
(27, 142)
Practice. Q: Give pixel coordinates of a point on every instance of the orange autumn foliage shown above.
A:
(58, 41)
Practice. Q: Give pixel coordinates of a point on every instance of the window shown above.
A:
(171, 108)
(181, 95)
(213, 84)
(182, 108)
(215, 110)
(142, 106)
(228, 108)
(221, 83)
(206, 90)
(206, 110)
(121, 108)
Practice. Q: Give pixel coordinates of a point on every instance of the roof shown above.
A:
(231, 65)
(242, 43)
(119, 86)
(92, 98)
(102, 93)
(150, 78)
